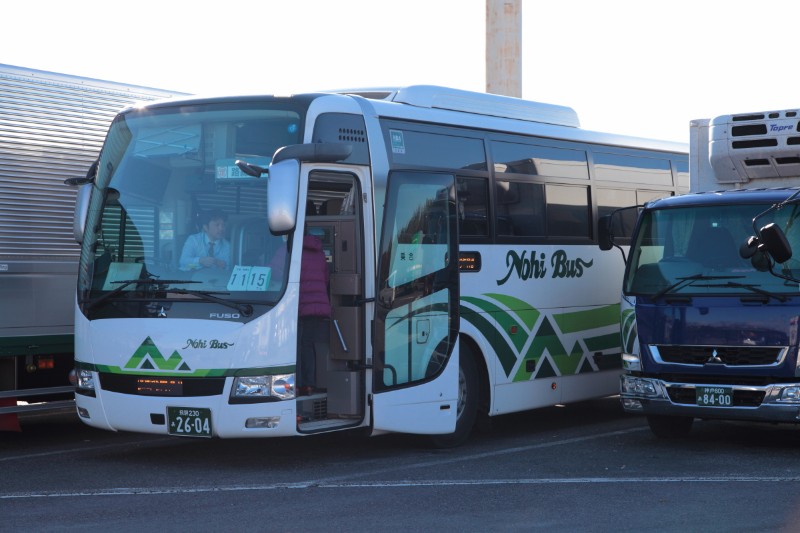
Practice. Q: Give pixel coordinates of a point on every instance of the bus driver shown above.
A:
(208, 248)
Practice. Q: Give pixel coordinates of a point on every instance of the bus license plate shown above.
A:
(714, 396)
(189, 421)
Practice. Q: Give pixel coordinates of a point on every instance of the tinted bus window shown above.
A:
(644, 170)
(473, 206)
(568, 211)
(539, 160)
(520, 208)
(414, 148)
(624, 221)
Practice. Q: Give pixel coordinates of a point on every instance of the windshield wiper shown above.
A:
(688, 280)
(126, 283)
(244, 309)
(754, 288)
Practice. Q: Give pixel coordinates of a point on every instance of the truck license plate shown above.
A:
(189, 421)
(714, 396)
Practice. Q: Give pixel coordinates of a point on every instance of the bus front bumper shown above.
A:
(119, 412)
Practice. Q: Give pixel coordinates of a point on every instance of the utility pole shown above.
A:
(504, 47)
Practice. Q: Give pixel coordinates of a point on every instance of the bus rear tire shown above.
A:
(467, 404)
(670, 427)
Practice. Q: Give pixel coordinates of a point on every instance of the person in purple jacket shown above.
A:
(314, 309)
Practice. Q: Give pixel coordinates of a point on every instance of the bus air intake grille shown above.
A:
(143, 385)
(352, 135)
(728, 355)
(741, 398)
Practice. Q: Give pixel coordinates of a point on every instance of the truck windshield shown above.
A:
(173, 220)
(695, 251)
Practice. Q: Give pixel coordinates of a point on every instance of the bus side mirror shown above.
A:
(775, 243)
(81, 211)
(605, 239)
(282, 193)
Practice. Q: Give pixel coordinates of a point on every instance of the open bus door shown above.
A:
(415, 378)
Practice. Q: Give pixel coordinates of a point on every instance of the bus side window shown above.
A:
(473, 206)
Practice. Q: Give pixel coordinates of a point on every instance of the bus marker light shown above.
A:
(266, 422)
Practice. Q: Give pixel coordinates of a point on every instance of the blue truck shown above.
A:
(710, 303)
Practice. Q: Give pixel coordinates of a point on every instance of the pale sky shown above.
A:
(632, 67)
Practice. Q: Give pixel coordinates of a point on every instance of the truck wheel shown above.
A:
(670, 427)
(467, 405)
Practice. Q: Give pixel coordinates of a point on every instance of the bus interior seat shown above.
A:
(332, 207)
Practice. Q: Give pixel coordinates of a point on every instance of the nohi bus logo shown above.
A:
(148, 357)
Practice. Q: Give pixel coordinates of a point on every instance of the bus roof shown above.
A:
(456, 107)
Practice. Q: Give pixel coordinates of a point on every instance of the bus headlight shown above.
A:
(280, 386)
(84, 380)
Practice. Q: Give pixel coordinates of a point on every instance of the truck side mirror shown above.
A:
(605, 239)
(775, 243)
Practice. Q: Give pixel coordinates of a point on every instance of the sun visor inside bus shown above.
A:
(344, 128)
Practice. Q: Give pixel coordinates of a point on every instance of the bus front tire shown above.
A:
(467, 403)
(670, 427)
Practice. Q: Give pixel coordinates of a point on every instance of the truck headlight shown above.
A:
(280, 386)
(84, 379)
(640, 387)
(790, 394)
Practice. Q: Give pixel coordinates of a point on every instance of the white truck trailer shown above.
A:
(51, 128)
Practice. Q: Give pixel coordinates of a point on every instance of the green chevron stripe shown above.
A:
(533, 363)
(503, 318)
(603, 342)
(567, 364)
(588, 319)
(527, 314)
(504, 352)
(629, 333)
(545, 338)
(149, 349)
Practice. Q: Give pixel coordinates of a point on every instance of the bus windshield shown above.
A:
(177, 222)
(695, 251)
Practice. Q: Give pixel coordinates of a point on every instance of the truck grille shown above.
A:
(728, 355)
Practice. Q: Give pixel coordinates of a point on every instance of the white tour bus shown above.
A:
(459, 230)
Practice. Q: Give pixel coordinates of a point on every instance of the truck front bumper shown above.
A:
(769, 403)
